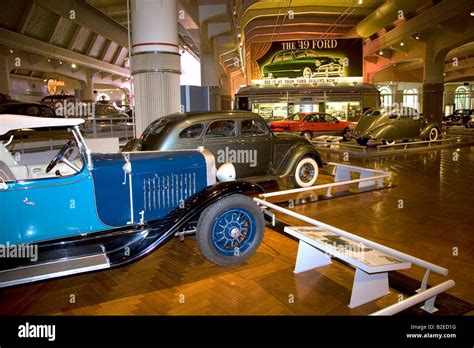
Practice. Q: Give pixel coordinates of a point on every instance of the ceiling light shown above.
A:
(49, 59)
(472, 13)
(60, 62)
(381, 52)
(11, 51)
(417, 36)
(240, 44)
(239, 35)
(402, 43)
(360, 2)
(73, 65)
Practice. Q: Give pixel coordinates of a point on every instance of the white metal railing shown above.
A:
(397, 146)
(423, 142)
(378, 176)
(415, 299)
(356, 168)
(103, 127)
(427, 295)
(414, 260)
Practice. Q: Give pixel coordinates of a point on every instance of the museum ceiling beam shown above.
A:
(254, 12)
(88, 16)
(437, 14)
(382, 16)
(28, 44)
(292, 32)
(303, 21)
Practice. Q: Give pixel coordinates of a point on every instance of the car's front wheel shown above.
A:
(362, 141)
(307, 73)
(306, 172)
(230, 230)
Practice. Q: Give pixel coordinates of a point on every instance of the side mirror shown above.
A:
(337, 121)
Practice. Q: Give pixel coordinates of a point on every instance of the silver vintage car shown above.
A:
(391, 125)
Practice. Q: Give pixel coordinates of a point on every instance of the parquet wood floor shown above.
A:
(438, 199)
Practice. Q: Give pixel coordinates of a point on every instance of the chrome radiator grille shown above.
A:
(167, 191)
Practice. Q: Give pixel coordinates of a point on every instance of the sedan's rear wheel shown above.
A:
(388, 142)
(306, 172)
(434, 134)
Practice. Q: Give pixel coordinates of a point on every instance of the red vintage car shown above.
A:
(312, 124)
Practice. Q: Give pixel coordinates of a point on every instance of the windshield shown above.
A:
(27, 157)
(372, 112)
(156, 127)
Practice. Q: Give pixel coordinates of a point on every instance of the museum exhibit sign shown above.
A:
(306, 62)
(303, 65)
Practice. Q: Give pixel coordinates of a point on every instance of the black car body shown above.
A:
(27, 109)
(459, 117)
(242, 138)
(7, 99)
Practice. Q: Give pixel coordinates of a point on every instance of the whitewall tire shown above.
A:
(306, 172)
(388, 142)
(434, 134)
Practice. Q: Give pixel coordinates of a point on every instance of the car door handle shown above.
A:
(27, 201)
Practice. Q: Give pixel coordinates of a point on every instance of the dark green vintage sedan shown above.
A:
(241, 138)
(390, 125)
(302, 63)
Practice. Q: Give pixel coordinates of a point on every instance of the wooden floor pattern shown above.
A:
(438, 199)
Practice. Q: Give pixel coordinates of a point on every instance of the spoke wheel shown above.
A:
(230, 230)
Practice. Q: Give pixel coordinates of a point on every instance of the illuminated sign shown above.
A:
(308, 81)
(308, 61)
(53, 85)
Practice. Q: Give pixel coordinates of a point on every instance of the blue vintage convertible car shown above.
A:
(84, 212)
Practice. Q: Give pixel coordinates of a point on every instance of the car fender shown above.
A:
(295, 154)
(425, 131)
(387, 131)
(133, 145)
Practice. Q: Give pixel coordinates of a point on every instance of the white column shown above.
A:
(5, 86)
(155, 60)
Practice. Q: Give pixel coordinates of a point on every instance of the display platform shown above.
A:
(378, 149)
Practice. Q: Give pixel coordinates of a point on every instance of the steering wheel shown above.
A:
(59, 156)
